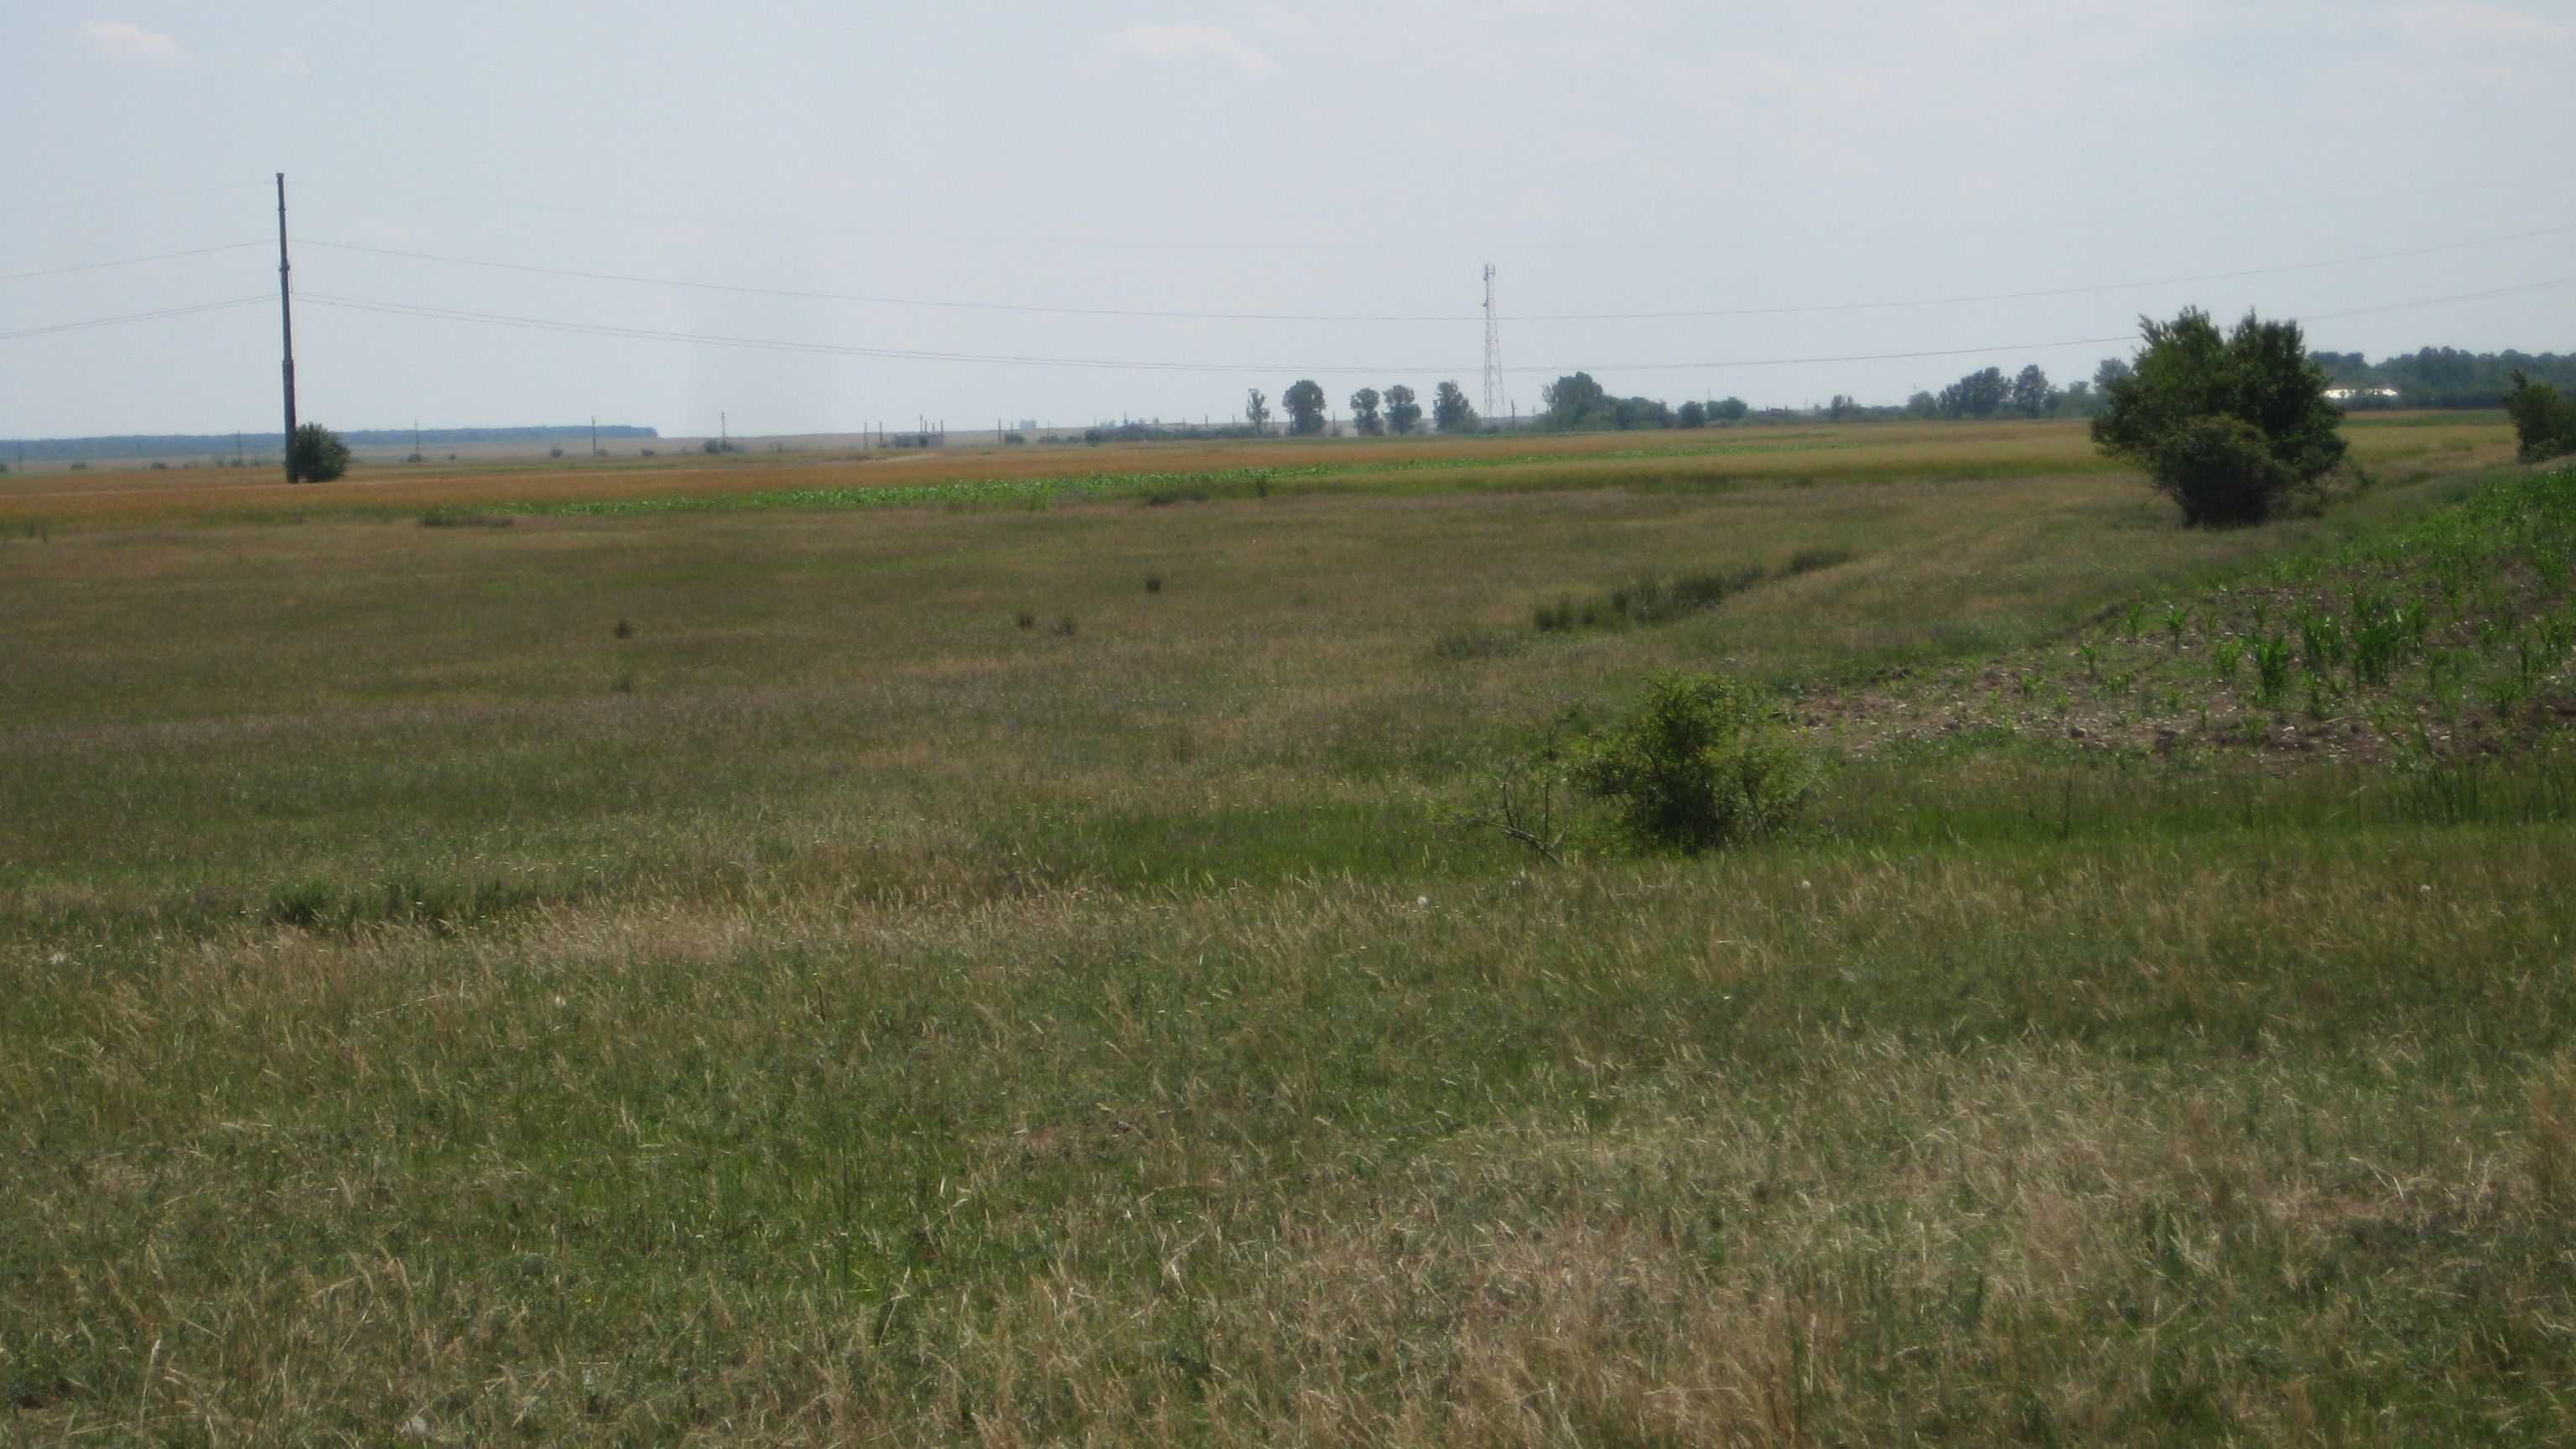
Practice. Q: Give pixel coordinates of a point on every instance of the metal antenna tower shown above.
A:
(1493, 350)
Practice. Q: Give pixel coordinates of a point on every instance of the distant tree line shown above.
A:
(1397, 410)
(2445, 377)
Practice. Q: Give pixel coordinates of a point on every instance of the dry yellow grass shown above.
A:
(1877, 451)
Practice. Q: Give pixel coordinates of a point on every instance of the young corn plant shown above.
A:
(2272, 667)
(2321, 637)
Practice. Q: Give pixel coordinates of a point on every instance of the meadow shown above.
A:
(1000, 948)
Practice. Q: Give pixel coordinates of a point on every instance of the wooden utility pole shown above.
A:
(286, 320)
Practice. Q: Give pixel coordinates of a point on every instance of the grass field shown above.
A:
(775, 951)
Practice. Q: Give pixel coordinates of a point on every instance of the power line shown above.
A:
(130, 317)
(1669, 314)
(129, 261)
(837, 349)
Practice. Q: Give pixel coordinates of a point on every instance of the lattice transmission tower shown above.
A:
(1493, 351)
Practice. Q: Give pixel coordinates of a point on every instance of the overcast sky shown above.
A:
(1327, 157)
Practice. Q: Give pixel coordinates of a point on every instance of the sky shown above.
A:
(1835, 175)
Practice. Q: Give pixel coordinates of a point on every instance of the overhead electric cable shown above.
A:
(597, 329)
(1962, 299)
(131, 317)
(128, 261)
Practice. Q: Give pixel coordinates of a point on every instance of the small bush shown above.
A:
(80, 467)
(1700, 766)
(1064, 627)
(1153, 583)
(448, 517)
(1028, 619)
(625, 630)
(160, 467)
(1014, 440)
(2544, 419)
(649, 453)
(412, 458)
(319, 456)
(554, 452)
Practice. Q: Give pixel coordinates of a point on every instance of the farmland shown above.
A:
(998, 946)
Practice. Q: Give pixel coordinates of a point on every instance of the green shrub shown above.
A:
(1701, 765)
(2219, 471)
(2544, 419)
(318, 455)
(2231, 426)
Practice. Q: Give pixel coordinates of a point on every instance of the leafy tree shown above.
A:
(2078, 400)
(317, 455)
(1450, 410)
(1640, 412)
(1403, 414)
(1980, 394)
(1304, 401)
(1923, 405)
(2112, 370)
(1691, 415)
(1732, 410)
(2032, 396)
(1575, 401)
(1364, 414)
(1842, 408)
(1256, 410)
(2544, 419)
(2188, 379)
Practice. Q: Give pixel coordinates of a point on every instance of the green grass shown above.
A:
(826, 1010)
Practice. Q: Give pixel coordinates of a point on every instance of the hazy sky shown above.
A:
(1326, 157)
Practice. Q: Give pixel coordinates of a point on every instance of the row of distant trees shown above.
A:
(2445, 377)
(1396, 410)
(1577, 402)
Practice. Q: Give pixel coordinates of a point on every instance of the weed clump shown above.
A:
(1813, 560)
(1028, 618)
(1153, 583)
(1701, 765)
(1651, 599)
(1462, 646)
(450, 517)
(625, 630)
(1064, 626)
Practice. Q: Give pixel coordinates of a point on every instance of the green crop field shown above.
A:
(786, 953)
